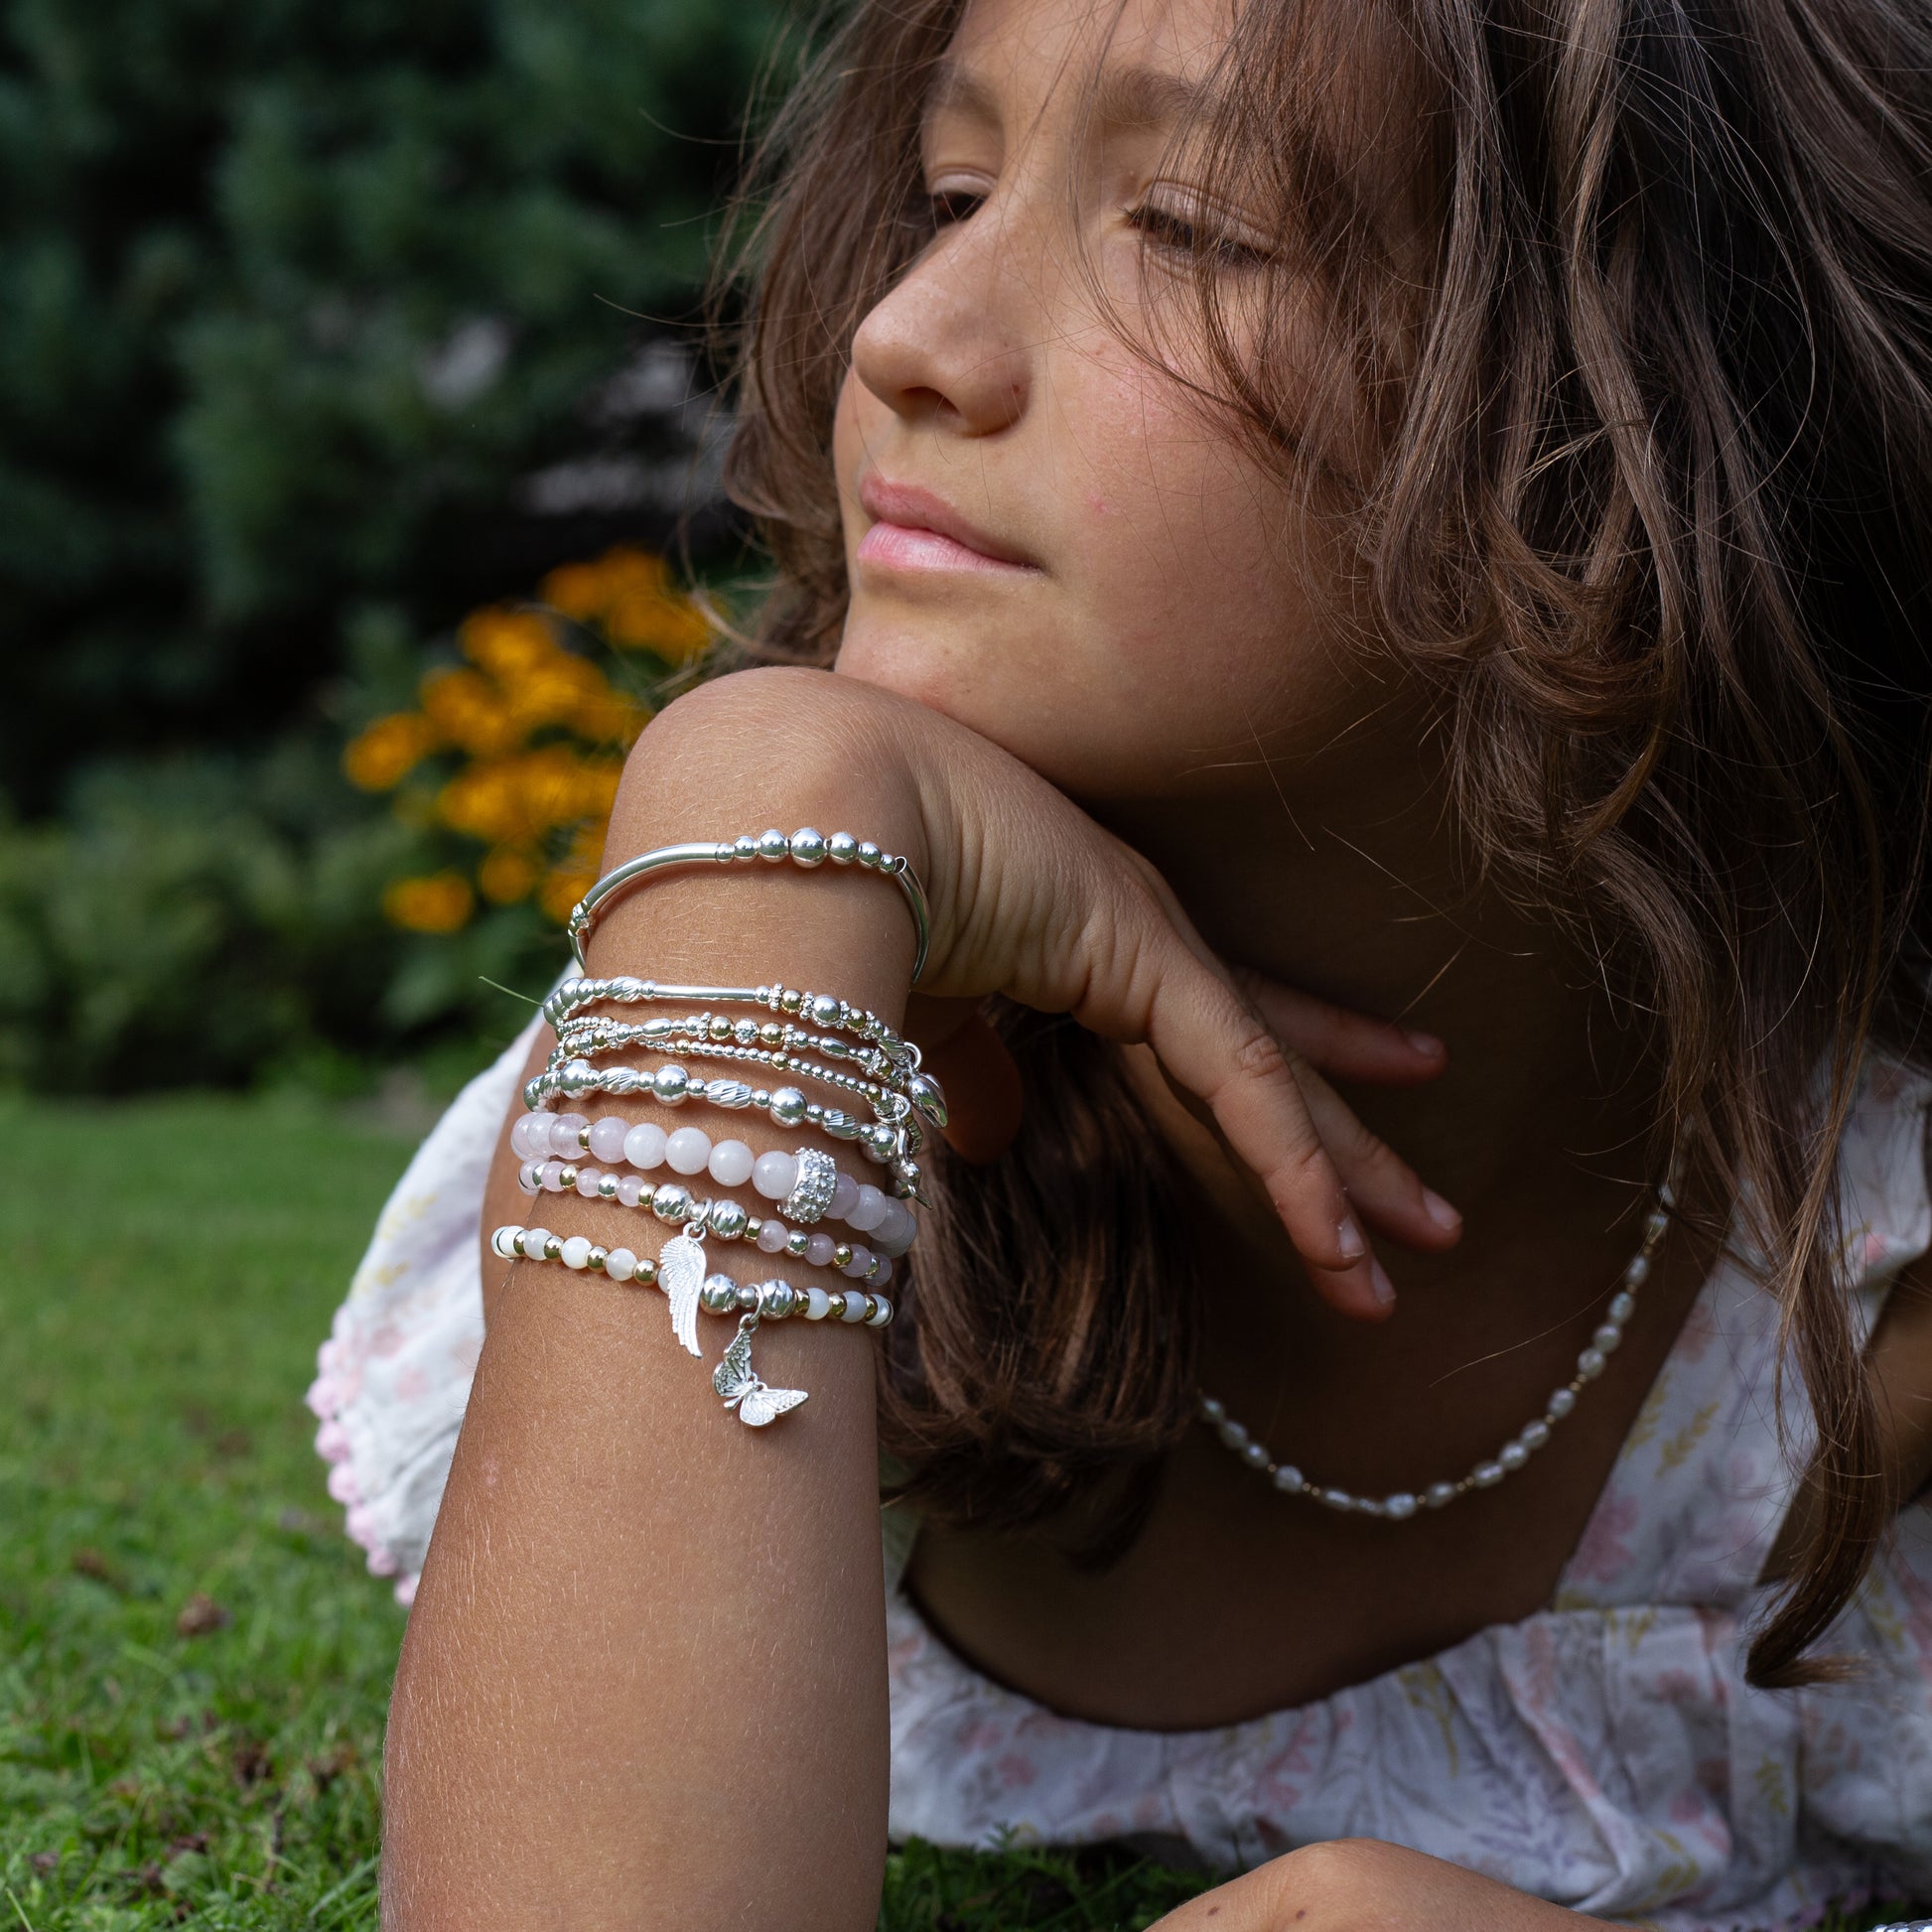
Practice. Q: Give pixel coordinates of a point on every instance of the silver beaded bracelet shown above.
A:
(805, 847)
(680, 1272)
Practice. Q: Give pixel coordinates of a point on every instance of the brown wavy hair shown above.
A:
(1648, 505)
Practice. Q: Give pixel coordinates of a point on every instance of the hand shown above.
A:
(1032, 898)
(1364, 1885)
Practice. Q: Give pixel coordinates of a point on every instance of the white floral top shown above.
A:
(1605, 1753)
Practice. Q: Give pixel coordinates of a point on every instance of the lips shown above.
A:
(914, 530)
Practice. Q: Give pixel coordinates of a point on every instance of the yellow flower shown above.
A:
(608, 717)
(507, 875)
(385, 752)
(442, 902)
(506, 641)
(674, 627)
(469, 713)
(560, 891)
(584, 592)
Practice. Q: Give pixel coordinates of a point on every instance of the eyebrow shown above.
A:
(1128, 97)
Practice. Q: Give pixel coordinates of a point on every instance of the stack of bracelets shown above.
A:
(813, 1037)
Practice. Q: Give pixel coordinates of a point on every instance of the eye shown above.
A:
(1194, 234)
(946, 208)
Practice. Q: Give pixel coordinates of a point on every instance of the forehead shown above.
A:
(1146, 61)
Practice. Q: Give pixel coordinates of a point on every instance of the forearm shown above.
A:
(644, 1682)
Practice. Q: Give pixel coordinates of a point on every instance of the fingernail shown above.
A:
(1428, 1045)
(1349, 1239)
(1383, 1287)
(1440, 1211)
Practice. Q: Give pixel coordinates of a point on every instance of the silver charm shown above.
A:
(811, 1194)
(680, 1274)
(739, 1383)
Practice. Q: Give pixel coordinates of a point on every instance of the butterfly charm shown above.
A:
(737, 1382)
(680, 1274)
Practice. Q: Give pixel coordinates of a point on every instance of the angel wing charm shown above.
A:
(739, 1383)
(680, 1274)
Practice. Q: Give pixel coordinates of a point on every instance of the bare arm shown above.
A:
(644, 1679)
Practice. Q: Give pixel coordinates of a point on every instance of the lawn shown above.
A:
(193, 1681)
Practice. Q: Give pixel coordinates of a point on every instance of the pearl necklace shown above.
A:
(1513, 1455)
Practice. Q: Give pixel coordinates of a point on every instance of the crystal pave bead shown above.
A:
(1402, 1504)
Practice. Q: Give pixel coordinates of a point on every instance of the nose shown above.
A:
(948, 347)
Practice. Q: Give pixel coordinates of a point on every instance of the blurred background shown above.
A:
(349, 409)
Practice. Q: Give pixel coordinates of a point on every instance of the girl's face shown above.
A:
(1048, 537)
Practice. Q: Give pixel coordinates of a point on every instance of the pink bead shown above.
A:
(631, 1188)
(566, 1133)
(869, 1211)
(884, 1271)
(860, 1262)
(332, 1442)
(731, 1164)
(406, 1591)
(587, 1179)
(844, 1196)
(775, 1174)
(687, 1150)
(818, 1250)
(643, 1146)
(530, 1176)
(552, 1175)
(530, 1137)
(606, 1138)
(772, 1236)
(382, 1563)
(896, 1227)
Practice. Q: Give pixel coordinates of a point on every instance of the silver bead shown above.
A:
(1233, 1435)
(719, 1293)
(778, 1299)
(807, 847)
(1398, 1507)
(839, 1124)
(577, 1077)
(1591, 1363)
(606, 1187)
(1607, 1338)
(745, 846)
(797, 1243)
(1512, 1455)
(841, 848)
(1622, 1308)
(788, 1106)
(1534, 1434)
(1212, 1410)
(928, 1097)
(1655, 1222)
(1487, 1475)
(1638, 1271)
(773, 846)
(842, 1255)
(824, 1010)
(869, 855)
(553, 1249)
(747, 1298)
(670, 1202)
(728, 1093)
(1255, 1455)
(1438, 1494)
(670, 1084)
(879, 1141)
(728, 1220)
(646, 1275)
(1289, 1479)
(566, 1179)
(1561, 1402)
(598, 1255)
(1336, 1499)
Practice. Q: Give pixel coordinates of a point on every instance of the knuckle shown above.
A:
(1259, 1056)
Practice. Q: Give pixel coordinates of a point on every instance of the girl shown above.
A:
(1407, 508)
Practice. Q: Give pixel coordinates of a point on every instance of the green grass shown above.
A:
(166, 1271)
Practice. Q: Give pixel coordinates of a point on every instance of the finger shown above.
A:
(1386, 1190)
(1146, 982)
(1341, 1042)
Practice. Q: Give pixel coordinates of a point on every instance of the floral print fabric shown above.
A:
(1605, 1753)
